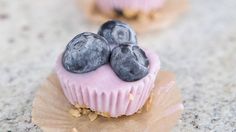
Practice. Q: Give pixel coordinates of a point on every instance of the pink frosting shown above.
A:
(102, 91)
(137, 5)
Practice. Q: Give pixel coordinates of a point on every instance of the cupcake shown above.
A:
(128, 8)
(107, 72)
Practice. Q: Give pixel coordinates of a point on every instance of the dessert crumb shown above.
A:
(92, 116)
(85, 111)
(130, 13)
(75, 113)
(104, 114)
(77, 106)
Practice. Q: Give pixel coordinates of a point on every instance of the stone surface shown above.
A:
(199, 48)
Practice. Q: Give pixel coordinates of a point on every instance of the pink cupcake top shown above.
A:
(136, 5)
(104, 78)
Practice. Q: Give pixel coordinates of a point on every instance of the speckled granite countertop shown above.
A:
(200, 49)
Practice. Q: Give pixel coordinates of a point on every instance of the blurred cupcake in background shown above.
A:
(129, 8)
(143, 15)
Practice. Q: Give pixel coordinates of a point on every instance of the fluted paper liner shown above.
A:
(99, 95)
(51, 110)
(116, 102)
(164, 17)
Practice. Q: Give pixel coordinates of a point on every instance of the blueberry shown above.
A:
(86, 52)
(129, 62)
(117, 33)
